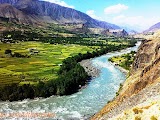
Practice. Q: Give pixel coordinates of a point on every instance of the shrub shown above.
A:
(8, 51)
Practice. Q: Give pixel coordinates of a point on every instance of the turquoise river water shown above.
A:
(79, 106)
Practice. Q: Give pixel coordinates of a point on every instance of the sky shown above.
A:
(134, 14)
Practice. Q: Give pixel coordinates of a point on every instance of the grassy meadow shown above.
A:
(42, 66)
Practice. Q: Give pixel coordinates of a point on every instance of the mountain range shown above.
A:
(39, 12)
(153, 28)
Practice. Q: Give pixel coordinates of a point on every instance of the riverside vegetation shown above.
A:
(125, 61)
(44, 68)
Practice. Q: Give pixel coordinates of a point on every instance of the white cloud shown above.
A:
(60, 2)
(92, 14)
(115, 9)
(135, 21)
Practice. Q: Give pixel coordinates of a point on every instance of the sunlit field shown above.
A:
(43, 63)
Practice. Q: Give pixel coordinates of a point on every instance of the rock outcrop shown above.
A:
(141, 86)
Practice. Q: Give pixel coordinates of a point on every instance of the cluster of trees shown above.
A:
(12, 36)
(88, 42)
(128, 60)
(132, 42)
(69, 81)
(15, 92)
(74, 40)
(16, 54)
(71, 77)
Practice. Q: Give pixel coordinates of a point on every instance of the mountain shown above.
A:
(130, 31)
(39, 12)
(153, 28)
(138, 97)
(13, 14)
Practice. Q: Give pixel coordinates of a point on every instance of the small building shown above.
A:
(33, 51)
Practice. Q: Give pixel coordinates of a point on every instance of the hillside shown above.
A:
(140, 92)
(33, 11)
(153, 28)
(36, 15)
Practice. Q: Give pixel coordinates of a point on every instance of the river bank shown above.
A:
(94, 71)
(126, 72)
(83, 104)
(89, 68)
(140, 88)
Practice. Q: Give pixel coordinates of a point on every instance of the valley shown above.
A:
(78, 62)
(82, 104)
(33, 64)
(45, 57)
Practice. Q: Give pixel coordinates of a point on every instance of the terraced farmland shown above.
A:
(41, 65)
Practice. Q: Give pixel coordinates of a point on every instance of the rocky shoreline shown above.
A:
(94, 71)
(120, 68)
(89, 68)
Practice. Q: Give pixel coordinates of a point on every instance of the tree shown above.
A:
(8, 51)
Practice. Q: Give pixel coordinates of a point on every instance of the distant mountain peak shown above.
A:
(153, 28)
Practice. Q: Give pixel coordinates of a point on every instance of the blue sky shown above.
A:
(136, 14)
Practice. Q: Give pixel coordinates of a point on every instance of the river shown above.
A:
(82, 104)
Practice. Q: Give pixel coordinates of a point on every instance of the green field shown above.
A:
(42, 66)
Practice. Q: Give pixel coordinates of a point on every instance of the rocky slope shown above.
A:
(14, 15)
(35, 11)
(140, 87)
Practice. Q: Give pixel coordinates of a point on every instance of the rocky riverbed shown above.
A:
(89, 68)
(126, 72)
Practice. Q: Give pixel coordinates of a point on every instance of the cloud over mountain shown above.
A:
(92, 14)
(115, 9)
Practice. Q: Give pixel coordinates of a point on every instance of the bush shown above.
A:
(8, 51)
(18, 55)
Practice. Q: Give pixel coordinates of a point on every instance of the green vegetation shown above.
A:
(43, 60)
(39, 62)
(69, 78)
(42, 64)
(90, 41)
(120, 88)
(125, 61)
(48, 30)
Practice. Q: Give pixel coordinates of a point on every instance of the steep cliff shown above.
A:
(143, 85)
